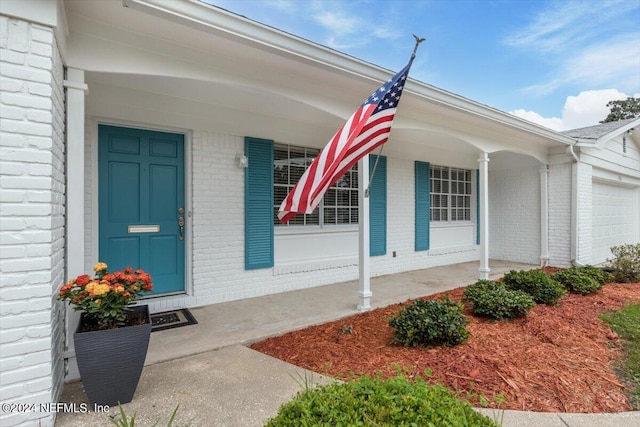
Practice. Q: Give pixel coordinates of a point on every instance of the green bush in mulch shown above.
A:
(494, 300)
(378, 402)
(577, 281)
(429, 322)
(596, 273)
(626, 263)
(541, 287)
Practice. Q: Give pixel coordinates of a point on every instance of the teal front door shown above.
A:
(141, 204)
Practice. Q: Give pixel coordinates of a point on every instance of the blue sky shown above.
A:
(554, 62)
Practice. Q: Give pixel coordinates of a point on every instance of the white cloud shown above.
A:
(554, 123)
(338, 23)
(587, 108)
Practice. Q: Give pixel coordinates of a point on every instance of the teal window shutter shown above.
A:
(378, 207)
(422, 205)
(258, 204)
(477, 206)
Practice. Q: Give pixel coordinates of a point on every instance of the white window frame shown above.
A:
(448, 188)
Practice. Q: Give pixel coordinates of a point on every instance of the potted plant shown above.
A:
(112, 338)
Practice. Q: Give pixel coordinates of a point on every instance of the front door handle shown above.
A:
(181, 228)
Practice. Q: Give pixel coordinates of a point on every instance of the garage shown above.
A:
(613, 214)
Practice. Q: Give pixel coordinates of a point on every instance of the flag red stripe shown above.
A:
(367, 128)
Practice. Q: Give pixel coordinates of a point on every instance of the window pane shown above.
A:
(354, 215)
(450, 194)
(329, 216)
(313, 218)
(290, 163)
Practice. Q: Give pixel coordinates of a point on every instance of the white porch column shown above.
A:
(76, 89)
(544, 215)
(484, 269)
(364, 286)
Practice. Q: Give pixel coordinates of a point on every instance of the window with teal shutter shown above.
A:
(258, 204)
(378, 207)
(422, 206)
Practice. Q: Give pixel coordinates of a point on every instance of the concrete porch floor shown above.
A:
(217, 381)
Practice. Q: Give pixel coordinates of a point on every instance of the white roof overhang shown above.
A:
(190, 50)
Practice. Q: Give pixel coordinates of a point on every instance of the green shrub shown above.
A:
(430, 323)
(494, 300)
(576, 281)
(376, 402)
(596, 273)
(541, 287)
(626, 263)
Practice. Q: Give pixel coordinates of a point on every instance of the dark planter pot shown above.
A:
(111, 361)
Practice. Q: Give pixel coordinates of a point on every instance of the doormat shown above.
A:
(172, 319)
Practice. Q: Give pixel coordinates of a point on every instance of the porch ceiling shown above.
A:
(158, 53)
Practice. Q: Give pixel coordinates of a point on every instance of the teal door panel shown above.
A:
(141, 199)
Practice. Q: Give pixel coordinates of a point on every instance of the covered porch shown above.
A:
(216, 380)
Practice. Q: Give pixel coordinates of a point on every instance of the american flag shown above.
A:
(367, 128)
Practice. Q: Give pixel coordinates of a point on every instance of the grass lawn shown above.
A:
(626, 323)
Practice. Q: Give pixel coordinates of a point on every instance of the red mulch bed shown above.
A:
(557, 359)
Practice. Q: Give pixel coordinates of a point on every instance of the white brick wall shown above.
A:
(31, 218)
(585, 213)
(560, 215)
(217, 229)
(514, 214)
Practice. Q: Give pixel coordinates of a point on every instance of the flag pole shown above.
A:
(364, 281)
(375, 165)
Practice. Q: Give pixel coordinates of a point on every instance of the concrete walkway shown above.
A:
(218, 381)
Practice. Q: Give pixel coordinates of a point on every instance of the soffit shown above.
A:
(163, 56)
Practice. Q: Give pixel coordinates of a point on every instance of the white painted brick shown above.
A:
(11, 57)
(31, 128)
(14, 113)
(41, 331)
(17, 35)
(14, 252)
(35, 250)
(4, 31)
(20, 100)
(42, 49)
(12, 85)
(40, 116)
(27, 319)
(31, 215)
(24, 72)
(25, 182)
(25, 347)
(39, 385)
(41, 62)
(514, 214)
(26, 209)
(13, 168)
(25, 374)
(24, 155)
(560, 215)
(9, 307)
(41, 34)
(11, 391)
(39, 89)
(11, 223)
(12, 335)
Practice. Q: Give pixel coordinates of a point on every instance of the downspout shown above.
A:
(544, 216)
(575, 237)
